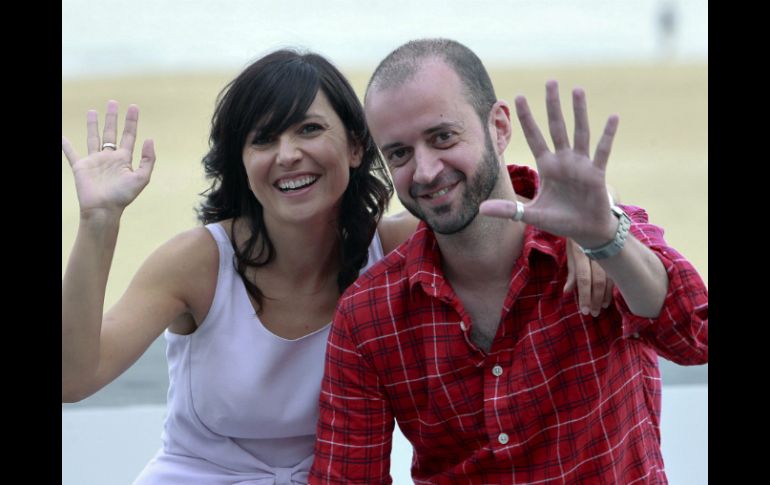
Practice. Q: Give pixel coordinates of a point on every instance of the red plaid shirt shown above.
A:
(560, 398)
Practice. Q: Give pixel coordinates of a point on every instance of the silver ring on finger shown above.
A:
(519, 214)
(109, 145)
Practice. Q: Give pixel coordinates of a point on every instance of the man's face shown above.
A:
(440, 155)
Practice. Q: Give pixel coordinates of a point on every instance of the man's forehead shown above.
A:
(420, 73)
(403, 121)
(433, 83)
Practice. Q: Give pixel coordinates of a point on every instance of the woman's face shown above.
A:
(301, 174)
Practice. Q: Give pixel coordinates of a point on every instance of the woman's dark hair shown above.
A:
(271, 95)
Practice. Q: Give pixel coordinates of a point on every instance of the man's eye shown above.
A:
(398, 157)
(444, 137)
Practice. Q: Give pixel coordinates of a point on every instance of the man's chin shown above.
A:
(447, 226)
(439, 219)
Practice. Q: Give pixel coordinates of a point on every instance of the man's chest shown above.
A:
(484, 310)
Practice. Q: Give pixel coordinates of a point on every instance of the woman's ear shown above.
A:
(356, 154)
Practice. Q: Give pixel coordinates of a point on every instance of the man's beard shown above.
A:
(440, 219)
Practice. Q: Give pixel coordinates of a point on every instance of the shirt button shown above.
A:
(635, 335)
(497, 371)
(462, 326)
(502, 438)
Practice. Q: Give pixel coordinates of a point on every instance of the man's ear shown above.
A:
(500, 125)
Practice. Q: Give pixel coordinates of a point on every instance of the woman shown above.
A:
(293, 215)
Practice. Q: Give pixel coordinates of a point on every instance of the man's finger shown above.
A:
(504, 209)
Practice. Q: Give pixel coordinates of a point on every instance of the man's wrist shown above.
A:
(616, 244)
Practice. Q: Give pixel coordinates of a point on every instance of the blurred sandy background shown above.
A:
(659, 159)
(188, 50)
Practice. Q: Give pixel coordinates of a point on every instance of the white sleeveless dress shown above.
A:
(242, 402)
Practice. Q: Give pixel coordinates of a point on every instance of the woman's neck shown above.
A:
(306, 256)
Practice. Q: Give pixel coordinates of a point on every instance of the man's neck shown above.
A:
(483, 256)
(485, 252)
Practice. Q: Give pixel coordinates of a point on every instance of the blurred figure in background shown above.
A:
(667, 23)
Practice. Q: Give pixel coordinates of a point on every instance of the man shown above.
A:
(463, 334)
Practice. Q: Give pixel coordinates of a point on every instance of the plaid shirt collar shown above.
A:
(423, 255)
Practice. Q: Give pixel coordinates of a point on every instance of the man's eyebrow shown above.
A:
(444, 126)
(427, 132)
(389, 146)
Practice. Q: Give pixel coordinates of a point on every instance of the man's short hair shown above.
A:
(403, 63)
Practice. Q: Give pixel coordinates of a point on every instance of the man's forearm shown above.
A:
(640, 276)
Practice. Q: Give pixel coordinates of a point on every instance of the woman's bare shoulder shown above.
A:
(185, 262)
(395, 229)
(194, 245)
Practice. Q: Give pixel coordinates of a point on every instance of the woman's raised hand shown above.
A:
(105, 180)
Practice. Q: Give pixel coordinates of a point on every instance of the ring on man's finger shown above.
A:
(109, 145)
(519, 214)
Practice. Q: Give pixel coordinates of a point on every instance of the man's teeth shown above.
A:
(439, 193)
(297, 183)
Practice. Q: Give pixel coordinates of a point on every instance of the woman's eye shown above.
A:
(262, 140)
(310, 128)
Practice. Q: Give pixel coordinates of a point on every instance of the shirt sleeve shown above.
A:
(680, 332)
(355, 424)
